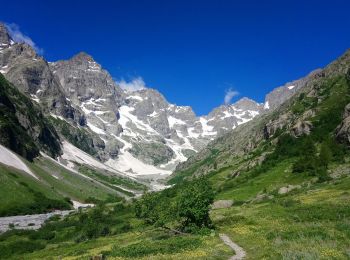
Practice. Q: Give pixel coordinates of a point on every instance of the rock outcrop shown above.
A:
(343, 130)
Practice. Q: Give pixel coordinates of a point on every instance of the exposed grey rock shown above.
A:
(281, 94)
(152, 153)
(243, 139)
(5, 39)
(32, 222)
(227, 117)
(277, 124)
(222, 204)
(81, 90)
(288, 188)
(32, 75)
(343, 130)
(302, 128)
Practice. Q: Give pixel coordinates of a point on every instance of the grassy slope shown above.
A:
(14, 191)
(113, 181)
(17, 187)
(200, 247)
(310, 223)
(68, 183)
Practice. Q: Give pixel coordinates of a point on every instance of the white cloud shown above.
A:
(133, 85)
(18, 36)
(230, 93)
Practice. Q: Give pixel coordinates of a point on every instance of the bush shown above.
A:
(185, 206)
(193, 204)
(20, 247)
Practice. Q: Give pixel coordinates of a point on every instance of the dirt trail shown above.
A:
(240, 253)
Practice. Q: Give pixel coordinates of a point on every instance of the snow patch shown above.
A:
(154, 114)
(96, 129)
(136, 97)
(11, 159)
(207, 129)
(267, 105)
(175, 121)
(126, 162)
(74, 154)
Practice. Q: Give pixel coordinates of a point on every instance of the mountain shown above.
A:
(322, 93)
(32, 75)
(269, 181)
(280, 94)
(23, 128)
(139, 133)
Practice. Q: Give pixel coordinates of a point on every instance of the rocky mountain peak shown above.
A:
(5, 38)
(82, 57)
(247, 104)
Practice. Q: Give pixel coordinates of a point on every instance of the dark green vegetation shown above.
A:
(23, 127)
(287, 174)
(290, 192)
(27, 195)
(183, 208)
(117, 218)
(98, 222)
(79, 137)
(183, 174)
(22, 194)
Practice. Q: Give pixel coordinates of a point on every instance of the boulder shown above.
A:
(288, 188)
(222, 204)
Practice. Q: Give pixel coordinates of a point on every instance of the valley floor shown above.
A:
(307, 223)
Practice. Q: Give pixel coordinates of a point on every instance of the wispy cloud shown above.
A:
(133, 85)
(18, 36)
(230, 93)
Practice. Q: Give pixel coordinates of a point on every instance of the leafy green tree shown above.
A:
(155, 208)
(194, 202)
(308, 161)
(325, 154)
(185, 207)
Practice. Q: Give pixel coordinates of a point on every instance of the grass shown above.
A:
(311, 223)
(268, 181)
(182, 174)
(22, 194)
(113, 181)
(69, 183)
(62, 239)
(133, 246)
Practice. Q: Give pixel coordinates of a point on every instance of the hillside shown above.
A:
(316, 110)
(93, 169)
(23, 127)
(280, 187)
(138, 133)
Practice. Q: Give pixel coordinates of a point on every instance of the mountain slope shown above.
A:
(23, 127)
(139, 133)
(318, 105)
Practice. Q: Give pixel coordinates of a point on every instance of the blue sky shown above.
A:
(193, 52)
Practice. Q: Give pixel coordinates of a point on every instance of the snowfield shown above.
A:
(9, 158)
